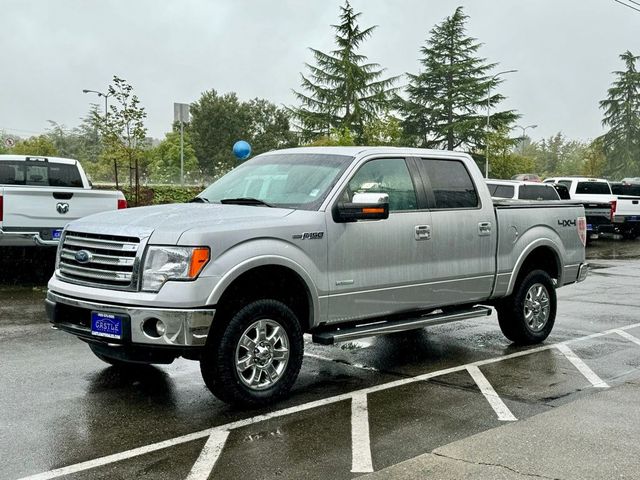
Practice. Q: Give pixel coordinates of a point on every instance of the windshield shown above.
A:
(299, 180)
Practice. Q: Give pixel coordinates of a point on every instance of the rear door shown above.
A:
(463, 233)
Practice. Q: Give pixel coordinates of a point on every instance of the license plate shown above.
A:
(589, 227)
(106, 325)
(632, 219)
(55, 234)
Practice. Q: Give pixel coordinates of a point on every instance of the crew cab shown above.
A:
(39, 195)
(338, 242)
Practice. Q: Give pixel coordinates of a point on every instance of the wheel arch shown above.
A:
(542, 254)
(273, 277)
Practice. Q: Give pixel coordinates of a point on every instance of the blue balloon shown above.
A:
(241, 150)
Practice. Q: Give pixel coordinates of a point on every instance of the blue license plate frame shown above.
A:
(56, 234)
(589, 227)
(106, 325)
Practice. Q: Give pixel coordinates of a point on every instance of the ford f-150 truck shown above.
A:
(342, 243)
(39, 195)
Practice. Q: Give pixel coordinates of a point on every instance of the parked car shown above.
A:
(354, 242)
(597, 200)
(522, 190)
(624, 210)
(630, 228)
(39, 195)
(527, 177)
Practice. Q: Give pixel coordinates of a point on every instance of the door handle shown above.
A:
(423, 232)
(484, 229)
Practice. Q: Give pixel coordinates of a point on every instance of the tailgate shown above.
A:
(36, 208)
(628, 207)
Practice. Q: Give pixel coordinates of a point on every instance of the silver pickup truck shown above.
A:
(342, 243)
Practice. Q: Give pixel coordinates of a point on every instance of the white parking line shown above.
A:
(628, 336)
(209, 455)
(79, 467)
(490, 394)
(360, 447)
(582, 367)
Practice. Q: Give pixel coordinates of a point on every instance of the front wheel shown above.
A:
(527, 315)
(255, 358)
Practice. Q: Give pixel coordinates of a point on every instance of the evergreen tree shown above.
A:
(622, 116)
(343, 90)
(447, 101)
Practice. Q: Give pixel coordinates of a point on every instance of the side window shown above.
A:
(451, 183)
(504, 191)
(566, 183)
(385, 175)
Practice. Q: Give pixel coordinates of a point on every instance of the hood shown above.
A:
(166, 223)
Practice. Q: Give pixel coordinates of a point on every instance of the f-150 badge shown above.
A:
(309, 236)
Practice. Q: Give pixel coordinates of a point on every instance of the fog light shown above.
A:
(160, 328)
(154, 327)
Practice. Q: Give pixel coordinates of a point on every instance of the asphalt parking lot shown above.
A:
(357, 408)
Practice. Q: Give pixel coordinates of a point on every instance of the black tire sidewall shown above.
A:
(511, 312)
(218, 361)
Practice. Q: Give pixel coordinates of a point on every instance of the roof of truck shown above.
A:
(352, 151)
(23, 158)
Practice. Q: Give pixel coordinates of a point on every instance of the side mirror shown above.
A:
(364, 206)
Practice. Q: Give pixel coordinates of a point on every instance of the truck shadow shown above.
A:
(26, 265)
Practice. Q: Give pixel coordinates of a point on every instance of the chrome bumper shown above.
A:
(583, 271)
(19, 239)
(184, 327)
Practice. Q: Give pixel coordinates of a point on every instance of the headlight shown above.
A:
(172, 263)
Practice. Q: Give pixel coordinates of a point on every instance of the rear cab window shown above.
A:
(40, 173)
(593, 188)
(538, 192)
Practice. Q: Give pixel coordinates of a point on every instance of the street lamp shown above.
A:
(100, 94)
(524, 129)
(486, 160)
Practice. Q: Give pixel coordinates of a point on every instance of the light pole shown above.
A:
(486, 159)
(100, 94)
(106, 113)
(524, 129)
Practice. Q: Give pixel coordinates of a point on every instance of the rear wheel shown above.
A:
(255, 358)
(527, 316)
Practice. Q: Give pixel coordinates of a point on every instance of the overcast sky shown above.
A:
(172, 51)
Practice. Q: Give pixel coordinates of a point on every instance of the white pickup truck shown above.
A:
(623, 210)
(39, 196)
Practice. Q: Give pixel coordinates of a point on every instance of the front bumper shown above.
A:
(184, 327)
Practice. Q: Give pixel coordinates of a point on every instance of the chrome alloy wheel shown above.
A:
(536, 307)
(262, 354)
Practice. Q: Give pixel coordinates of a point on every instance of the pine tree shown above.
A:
(622, 115)
(447, 101)
(342, 91)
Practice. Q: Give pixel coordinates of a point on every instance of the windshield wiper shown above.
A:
(244, 201)
(199, 200)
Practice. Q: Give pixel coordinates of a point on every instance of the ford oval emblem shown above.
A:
(82, 256)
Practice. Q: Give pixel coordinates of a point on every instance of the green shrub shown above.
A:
(156, 194)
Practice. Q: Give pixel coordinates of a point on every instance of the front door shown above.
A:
(377, 267)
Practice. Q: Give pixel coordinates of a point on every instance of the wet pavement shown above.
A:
(357, 407)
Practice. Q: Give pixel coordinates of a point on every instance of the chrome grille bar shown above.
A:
(107, 260)
(96, 273)
(99, 258)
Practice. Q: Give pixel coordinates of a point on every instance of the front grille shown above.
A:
(112, 259)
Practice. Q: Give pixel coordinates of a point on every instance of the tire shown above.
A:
(527, 315)
(255, 358)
